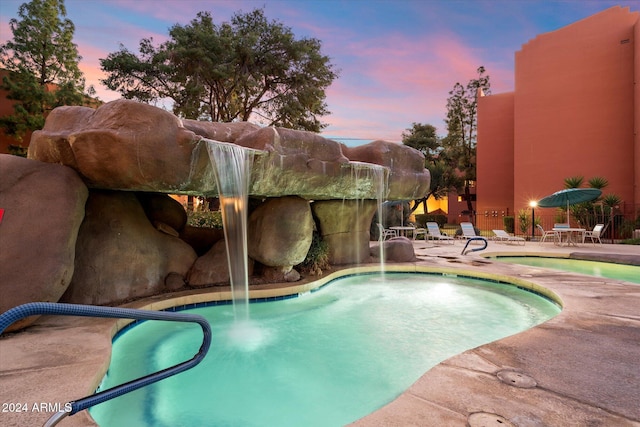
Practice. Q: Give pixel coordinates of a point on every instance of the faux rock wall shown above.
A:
(87, 219)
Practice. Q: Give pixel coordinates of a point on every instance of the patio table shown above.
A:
(404, 230)
(571, 236)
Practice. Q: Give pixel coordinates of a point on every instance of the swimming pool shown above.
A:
(325, 358)
(630, 273)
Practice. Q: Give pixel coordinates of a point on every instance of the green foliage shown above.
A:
(423, 138)
(598, 182)
(599, 211)
(444, 176)
(561, 216)
(573, 182)
(17, 150)
(524, 221)
(627, 227)
(460, 143)
(317, 258)
(41, 54)
(422, 219)
(246, 68)
(631, 242)
(210, 219)
(509, 224)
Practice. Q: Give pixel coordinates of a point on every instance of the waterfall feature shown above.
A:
(382, 189)
(371, 180)
(232, 169)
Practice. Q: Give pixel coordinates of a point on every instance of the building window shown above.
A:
(463, 197)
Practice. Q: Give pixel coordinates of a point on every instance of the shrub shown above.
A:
(524, 220)
(317, 258)
(210, 219)
(509, 224)
(631, 242)
(422, 219)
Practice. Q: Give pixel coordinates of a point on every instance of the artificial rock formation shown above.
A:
(280, 232)
(125, 145)
(396, 249)
(120, 255)
(345, 226)
(134, 240)
(164, 212)
(149, 149)
(212, 268)
(43, 208)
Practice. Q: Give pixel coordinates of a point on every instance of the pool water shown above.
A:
(629, 273)
(323, 359)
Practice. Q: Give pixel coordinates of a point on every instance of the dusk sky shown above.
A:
(398, 59)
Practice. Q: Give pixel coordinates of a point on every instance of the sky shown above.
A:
(397, 59)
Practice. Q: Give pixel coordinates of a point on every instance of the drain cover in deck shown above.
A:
(516, 379)
(487, 419)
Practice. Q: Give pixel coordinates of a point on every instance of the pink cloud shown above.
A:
(395, 80)
(389, 79)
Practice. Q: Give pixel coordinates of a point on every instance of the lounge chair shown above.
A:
(385, 233)
(547, 234)
(468, 230)
(594, 234)
(503, 236)
(434, 233)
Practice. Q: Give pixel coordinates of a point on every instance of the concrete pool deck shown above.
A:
(579, 368)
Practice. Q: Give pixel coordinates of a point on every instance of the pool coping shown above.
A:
(599, 321)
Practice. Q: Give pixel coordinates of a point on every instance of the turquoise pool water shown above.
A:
(630, 273)
(323, 359)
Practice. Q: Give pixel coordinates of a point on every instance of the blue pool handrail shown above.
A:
(469, 240)
(40, 308)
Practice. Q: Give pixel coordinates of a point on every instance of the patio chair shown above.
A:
(503, 236)
(385, 233)
(547, 234)
(434, 233)
(594, 234)
(419, 231)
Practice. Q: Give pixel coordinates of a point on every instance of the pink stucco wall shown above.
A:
(495, 174)
(575, 109)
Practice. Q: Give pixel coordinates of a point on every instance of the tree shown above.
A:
(460, 142)
(246, 68)
(423, 138)
(42, 61)
(598, 211)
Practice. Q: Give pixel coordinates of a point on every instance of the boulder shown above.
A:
(408, 178)
(223, 132)
(201, 238)
(120, 255)
(345, 226)
(150, 149)
(43, 208)
(275, 274)
(396, 249)
(162, 209)
(147, 147)
(212, 268)
(280, 232)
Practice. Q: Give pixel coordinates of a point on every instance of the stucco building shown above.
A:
(575, 111)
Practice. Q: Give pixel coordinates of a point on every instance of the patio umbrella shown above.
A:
(570, 196)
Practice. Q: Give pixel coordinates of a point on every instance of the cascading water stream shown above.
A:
(232, 169)
(371, 179)
(382, 188)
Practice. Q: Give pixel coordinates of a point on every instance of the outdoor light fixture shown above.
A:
(533, 205)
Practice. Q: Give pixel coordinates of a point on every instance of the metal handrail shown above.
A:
(482, 239)
(39, 308)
